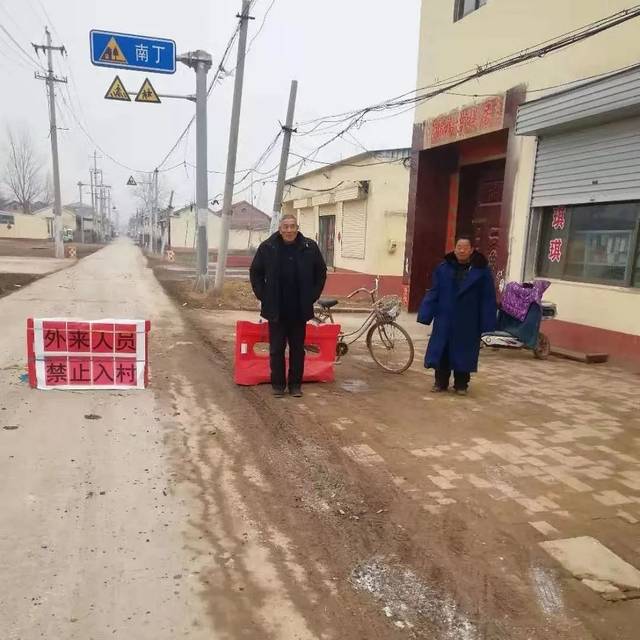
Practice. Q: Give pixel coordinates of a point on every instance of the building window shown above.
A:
(591, 243)
(465, 7)
(6, 218)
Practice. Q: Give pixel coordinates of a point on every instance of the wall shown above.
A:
(385, 204)
(26, 226)
(503, 27)
(243, 240)
(184, 227)
(183, 232)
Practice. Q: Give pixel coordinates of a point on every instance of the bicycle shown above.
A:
(388, 343)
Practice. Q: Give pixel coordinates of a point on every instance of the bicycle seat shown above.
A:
(327, 303)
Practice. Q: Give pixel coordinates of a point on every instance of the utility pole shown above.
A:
(155, 210)
(82, 234)
(227, 211)
(93, 174)
(284, 157)
(50, 78)
(100, 196)
(100, 192)
(201, 62)
(109, 221)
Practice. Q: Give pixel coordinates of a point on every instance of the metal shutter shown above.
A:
(307, 222)
(598, 164)
(354, 229)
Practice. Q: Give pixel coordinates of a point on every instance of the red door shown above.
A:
(480, 206)
(486, 218)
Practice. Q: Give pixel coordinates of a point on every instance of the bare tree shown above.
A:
(23, 169)
(144, 191)
(47, 190)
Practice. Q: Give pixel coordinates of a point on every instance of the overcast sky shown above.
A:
(344, 53)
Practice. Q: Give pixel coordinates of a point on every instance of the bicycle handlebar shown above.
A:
(372, 293)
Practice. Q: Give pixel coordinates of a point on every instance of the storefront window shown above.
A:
(591, 243)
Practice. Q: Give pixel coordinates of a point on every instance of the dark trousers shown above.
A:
(281, 334)
(443, 374)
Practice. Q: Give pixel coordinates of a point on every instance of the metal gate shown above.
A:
(326, 238)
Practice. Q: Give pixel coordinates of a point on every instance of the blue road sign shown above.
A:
(136, 53)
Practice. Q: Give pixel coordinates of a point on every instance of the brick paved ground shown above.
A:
(547, 449)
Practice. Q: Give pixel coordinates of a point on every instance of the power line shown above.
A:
(93, 141)
(24, 52)
(264, 21)
(12, 56)
(321, 190)
(216, 77)
(541, 49)
(357, 117)
(346, 164)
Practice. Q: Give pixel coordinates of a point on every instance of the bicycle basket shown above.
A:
(388, 307)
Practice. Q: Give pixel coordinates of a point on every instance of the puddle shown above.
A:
(407, 601)
(354, 386)
(547, 590)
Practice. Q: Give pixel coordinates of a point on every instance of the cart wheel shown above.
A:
(342, 348)
(542, 349)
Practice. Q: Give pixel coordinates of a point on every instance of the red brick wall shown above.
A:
(341, 283)
(621, 347)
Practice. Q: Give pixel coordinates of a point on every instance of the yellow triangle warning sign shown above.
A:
(117, 91)
(147, 93)
(113, 53)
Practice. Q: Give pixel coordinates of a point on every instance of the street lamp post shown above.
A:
(201, 62)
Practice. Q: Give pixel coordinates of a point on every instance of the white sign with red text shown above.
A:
(87, 354)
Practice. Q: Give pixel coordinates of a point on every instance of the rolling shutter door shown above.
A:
(354, 229)
(598, 164)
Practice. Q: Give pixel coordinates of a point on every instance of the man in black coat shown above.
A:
(288, 274)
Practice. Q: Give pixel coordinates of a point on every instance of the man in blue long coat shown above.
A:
(462, 306)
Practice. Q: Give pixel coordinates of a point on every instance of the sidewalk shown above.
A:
(544, 450)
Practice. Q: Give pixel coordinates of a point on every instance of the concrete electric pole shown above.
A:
(80, 185)
(50, 78)
(284, 157)
(227, 202)
(155, 211)
(200, 61)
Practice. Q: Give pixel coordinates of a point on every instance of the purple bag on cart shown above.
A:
(518, 298)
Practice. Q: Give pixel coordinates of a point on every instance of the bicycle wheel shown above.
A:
(390, 347)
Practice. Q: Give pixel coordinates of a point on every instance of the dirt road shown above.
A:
(145, 515)
(198, 509)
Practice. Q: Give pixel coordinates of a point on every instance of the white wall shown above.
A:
(385, 206)
(25, 226)
(183, 233)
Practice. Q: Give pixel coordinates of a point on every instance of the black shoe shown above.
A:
(438, 389)
(296, 392)
(462, 392)
(278, 392)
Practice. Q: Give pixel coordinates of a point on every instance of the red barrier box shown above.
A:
(252, 368)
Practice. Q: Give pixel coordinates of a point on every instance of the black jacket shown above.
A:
(265, 276)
